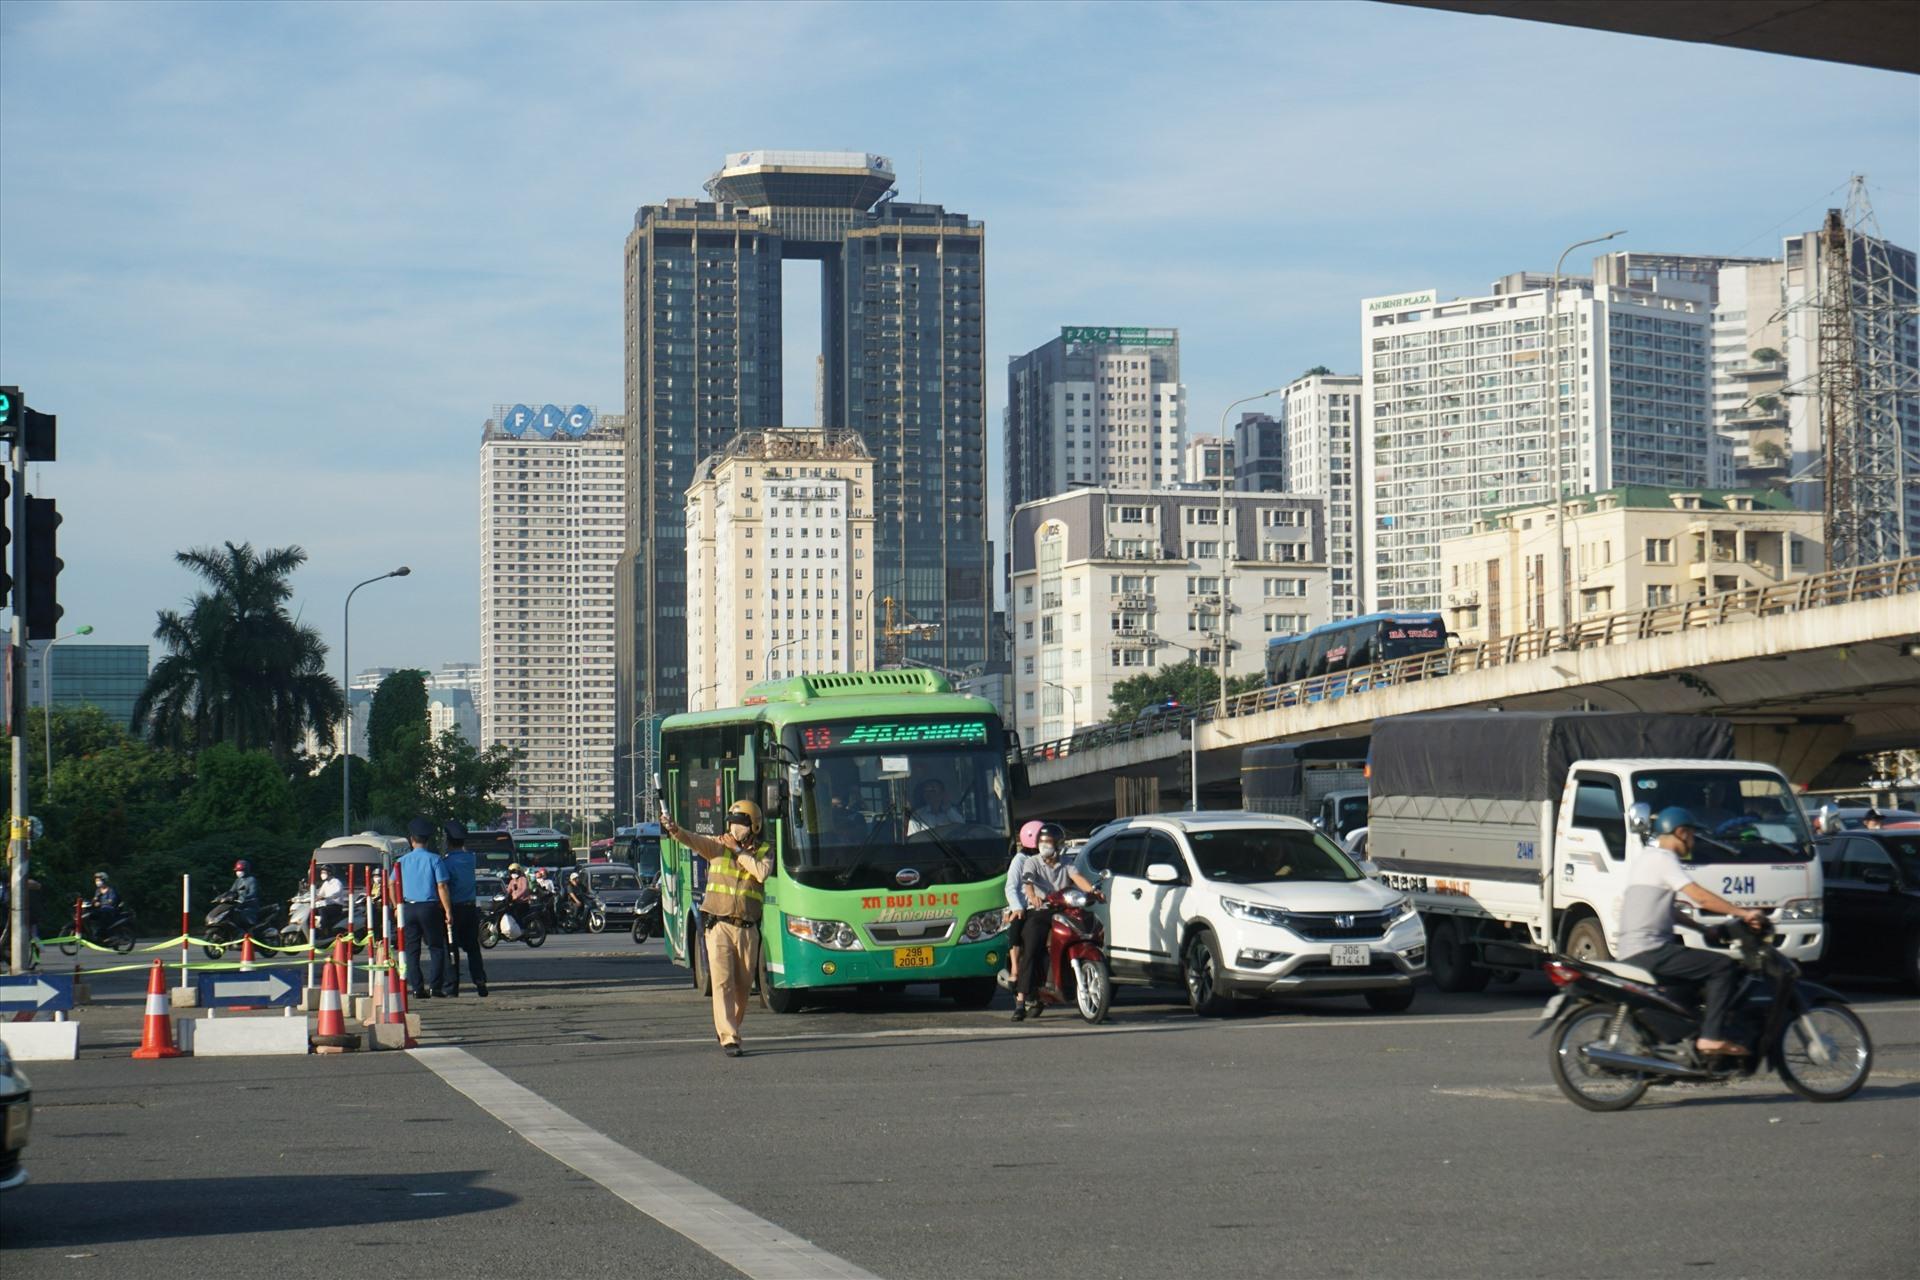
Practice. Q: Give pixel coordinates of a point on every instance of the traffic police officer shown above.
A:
(737, 868)
(423, 888)
(462, 889)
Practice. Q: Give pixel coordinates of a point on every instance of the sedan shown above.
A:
(1873, 903)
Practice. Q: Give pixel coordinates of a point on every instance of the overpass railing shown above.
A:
(1815, 591)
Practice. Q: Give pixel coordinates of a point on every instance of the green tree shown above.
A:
(399, 707)
(460, 779)
(1188, 683)
(1318, 369)
(238, 668)
(234, 789)
(399, 755)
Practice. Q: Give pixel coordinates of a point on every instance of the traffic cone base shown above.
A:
(396, 1014)
(156, 1033)
(331, 1035)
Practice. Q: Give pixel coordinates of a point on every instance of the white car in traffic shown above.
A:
(1229, 904)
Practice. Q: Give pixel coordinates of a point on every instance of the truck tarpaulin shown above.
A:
(1525, 755)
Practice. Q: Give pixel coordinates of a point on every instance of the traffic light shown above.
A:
(43, 569)
(12, 411)
(38, 434)
(6, 534)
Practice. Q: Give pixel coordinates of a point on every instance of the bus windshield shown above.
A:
(887, 804)
(1743, 816)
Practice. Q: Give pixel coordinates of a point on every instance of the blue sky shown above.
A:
(272, 265)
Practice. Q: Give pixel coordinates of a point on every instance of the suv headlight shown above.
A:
(1801, 909)
(982, 925)
(1399, 911)
(1255, 912)
(837, 935)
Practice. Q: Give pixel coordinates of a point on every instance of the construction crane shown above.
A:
(898, 627)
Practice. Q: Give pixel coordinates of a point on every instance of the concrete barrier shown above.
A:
(41, 1041)
(241, 1037)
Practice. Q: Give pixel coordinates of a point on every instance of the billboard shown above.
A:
(546, 422)
(1108, 335)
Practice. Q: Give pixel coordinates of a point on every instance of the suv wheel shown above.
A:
(1202, 970)
(1397, 1000)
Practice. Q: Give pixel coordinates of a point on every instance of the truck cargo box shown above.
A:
(1525, 755)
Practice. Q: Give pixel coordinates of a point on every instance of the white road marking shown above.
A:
(745, 1242)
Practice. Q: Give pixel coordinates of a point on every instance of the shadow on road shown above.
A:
(65, 1214)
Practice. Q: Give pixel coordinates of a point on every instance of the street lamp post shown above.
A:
(46, 696)
(346, 690)
(767, 665)
(1074, 726)
(1553, 390)
(1225, 600)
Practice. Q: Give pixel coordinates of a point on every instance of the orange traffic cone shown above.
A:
(156, 1035)
(331, 1036)
(246, 964)
(377, 993)
(396, 1012)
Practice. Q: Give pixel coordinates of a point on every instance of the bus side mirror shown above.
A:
(1017, 777)
(776, 796)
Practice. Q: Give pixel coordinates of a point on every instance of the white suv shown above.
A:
(1250, 904)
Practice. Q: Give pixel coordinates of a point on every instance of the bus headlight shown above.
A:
(1801, 909)
(982, 925)
(835, 934)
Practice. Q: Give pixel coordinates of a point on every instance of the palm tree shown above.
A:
(238, 669)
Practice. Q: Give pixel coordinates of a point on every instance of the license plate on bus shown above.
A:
(913, 957)
(1345, 954)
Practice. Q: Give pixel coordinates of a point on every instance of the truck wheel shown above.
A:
(1202, 970)
(1449, 959)
(1588, 941)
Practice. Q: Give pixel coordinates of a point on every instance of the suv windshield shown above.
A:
(1269, 855)
(1743, 816)
(874, 799)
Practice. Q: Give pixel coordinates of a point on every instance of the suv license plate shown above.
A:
(913, 957)
(1345, 954)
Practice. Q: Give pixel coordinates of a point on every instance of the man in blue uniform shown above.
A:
(462, 890)
(426, 906)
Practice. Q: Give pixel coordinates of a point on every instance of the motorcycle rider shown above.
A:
(578, 899)
(330, 901)
(246, 894)
(1648, 917)
(1009, 977)
(1044, 873)
(106, 899)
(519, 893)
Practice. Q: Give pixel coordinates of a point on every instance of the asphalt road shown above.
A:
(908, 1139)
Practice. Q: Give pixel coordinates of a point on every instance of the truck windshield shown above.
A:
(1268, 855)
(875, 800)
(1743, 816)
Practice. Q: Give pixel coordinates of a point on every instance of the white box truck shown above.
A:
(1510, 829)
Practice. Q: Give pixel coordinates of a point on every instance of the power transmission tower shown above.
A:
(1866, 387)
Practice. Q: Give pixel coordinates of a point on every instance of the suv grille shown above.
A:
(1327, 926)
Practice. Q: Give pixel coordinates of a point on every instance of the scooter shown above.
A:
(331, 921)
(1076, 972)
(1617, 1030)
(646, 914)
(102, 928)
(515, 926)
(225, 926)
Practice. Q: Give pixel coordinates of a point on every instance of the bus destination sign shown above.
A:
(892, 733)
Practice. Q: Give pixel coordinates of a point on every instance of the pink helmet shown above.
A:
(1030, 834)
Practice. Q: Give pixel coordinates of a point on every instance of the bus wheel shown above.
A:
(697, 958)
(779, 999)
(970, 993)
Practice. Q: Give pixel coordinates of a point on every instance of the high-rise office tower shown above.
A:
(551, 521)
(1458, 400)
(1097, 406)
(1323, 444)
(902, 362)
(1260, 452)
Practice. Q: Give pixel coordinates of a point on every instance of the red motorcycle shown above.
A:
(1076, 972)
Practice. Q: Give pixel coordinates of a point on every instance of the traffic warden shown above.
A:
(737, 870)
(428, 904)
(462, 891)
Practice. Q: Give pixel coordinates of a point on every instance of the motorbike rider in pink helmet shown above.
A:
(1016, 906)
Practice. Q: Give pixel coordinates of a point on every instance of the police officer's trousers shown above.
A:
(733, 957)
(466, 937)
(426, 922)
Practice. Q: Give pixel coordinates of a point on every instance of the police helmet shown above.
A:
(243, 868)
(1672, 818)
(745, 809)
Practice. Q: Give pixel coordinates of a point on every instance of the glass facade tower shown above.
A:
(903, 363)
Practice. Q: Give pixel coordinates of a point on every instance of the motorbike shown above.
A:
(572, 919)
(533, 930)
(1616, 1030)
(331, 920)
(646, 915)
(102, 928)
(1077, 972)
(225, 925)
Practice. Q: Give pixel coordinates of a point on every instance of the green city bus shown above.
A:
(878, 879)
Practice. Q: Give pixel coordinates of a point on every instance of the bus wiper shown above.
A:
(960, 859)
(860, 853)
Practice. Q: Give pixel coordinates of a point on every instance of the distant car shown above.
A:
(1831, 820)
(1872, 903)
(16, 1120)
(617, 888)
(488, 886)
(1250, 904)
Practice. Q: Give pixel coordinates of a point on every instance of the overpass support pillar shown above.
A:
(1136, 795)
(1802, 751)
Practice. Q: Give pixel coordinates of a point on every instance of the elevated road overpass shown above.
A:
(1807, 670)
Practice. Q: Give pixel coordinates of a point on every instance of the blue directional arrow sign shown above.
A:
(35, 993)
(263, 987)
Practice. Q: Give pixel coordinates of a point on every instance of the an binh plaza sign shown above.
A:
(547, 421)
(1402, 301)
